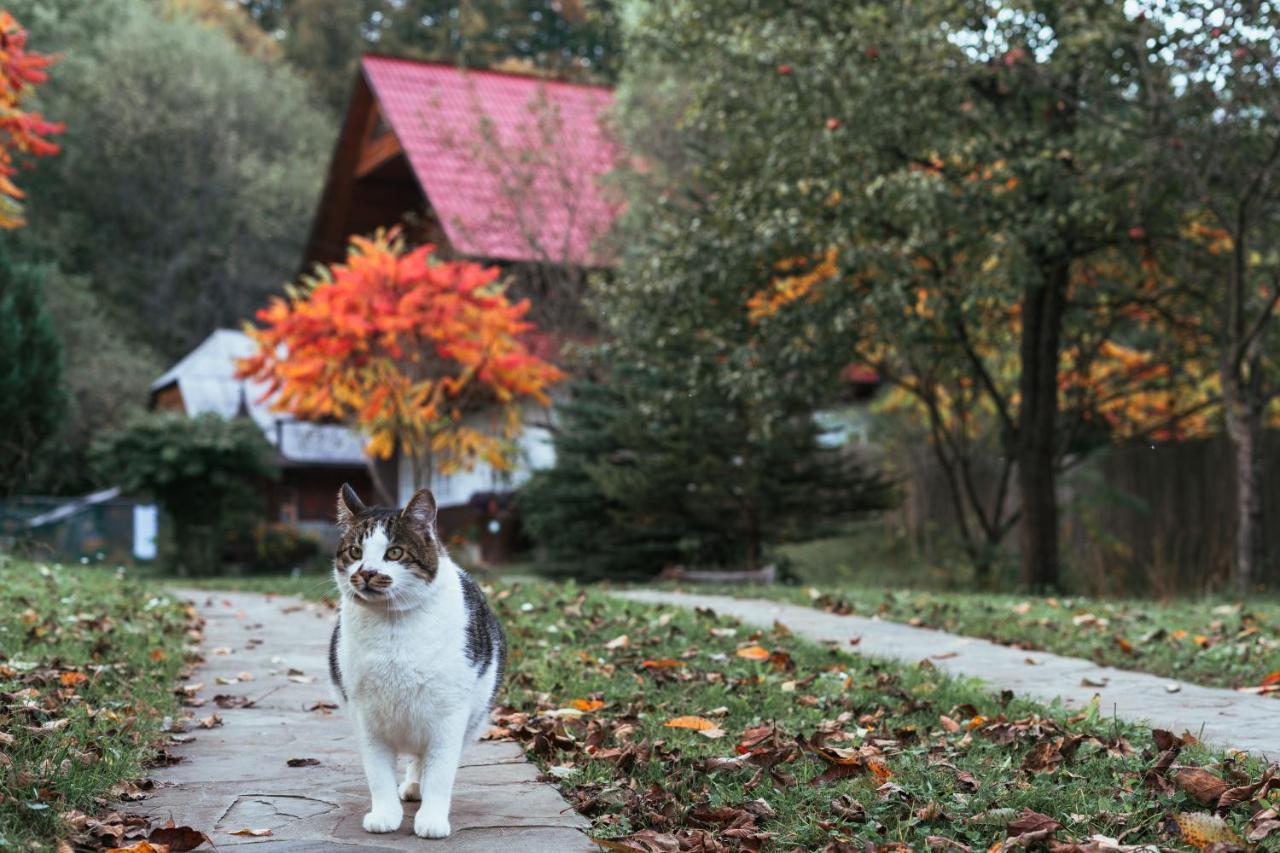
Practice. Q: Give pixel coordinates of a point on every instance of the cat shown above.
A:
(416, 654)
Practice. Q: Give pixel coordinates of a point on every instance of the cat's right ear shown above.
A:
(349, 505)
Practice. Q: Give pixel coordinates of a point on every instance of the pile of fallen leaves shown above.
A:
(677, 731)
(88, 660)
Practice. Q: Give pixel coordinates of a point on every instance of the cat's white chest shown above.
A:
(401, 677)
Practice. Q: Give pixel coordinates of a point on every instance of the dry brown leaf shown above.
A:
(1201, 784)
(255, 833)
(753, 653)
(179, 839)
(1263, 824)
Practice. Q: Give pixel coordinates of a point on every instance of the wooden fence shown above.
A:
(1157, 519)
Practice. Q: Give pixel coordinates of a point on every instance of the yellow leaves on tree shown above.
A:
(408, 348)
(22, 133)
(783, 290)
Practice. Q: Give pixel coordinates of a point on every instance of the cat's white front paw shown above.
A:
(426, 825)
(409, 791)
(383, 821)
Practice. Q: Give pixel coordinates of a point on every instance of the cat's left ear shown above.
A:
(421, 510)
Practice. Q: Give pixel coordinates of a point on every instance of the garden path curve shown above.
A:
(1222, 717)
(236, 776)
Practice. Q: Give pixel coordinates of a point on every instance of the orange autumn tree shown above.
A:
(22, 132)
(420, 354)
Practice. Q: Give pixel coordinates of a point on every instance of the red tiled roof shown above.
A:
(478, 143)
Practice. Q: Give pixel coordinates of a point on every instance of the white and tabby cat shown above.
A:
(417, 654)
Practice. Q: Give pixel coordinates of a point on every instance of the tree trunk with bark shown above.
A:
(1042, 310)
(1246, 427)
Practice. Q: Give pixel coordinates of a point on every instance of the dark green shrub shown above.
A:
(201, 470)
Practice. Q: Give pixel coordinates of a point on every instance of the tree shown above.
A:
(654, 471)
(22, 132)
(1221, 139)
(577, 39)
(201, 470)
(184, 198)
(424, 356)
(983, 250)
(105, 375)
(30, 374)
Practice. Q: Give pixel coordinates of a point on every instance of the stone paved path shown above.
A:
(236, 776)
(1224, 717)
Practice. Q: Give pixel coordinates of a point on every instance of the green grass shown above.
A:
(88, 663)
(626, 771)
(1216, 643)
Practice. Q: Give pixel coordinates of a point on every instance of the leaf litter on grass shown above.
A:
(826, 750)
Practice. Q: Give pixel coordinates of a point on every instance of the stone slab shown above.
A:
(236, 775)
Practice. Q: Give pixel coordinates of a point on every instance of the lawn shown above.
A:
(88, 664)
(1216, 643)
(666, 726)
(782, 744)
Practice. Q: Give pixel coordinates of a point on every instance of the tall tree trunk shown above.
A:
(1042, 308)
(1244, 399)
(1246, 426)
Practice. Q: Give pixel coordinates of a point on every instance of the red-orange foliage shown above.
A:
(21, 132)
(403, 346)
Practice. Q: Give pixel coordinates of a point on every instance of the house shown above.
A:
(315, 459)
(490, 166)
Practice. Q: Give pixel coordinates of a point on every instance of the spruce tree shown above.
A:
(30, 373)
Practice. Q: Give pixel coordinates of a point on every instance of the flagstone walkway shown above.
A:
(237, 775)
(1222, 717)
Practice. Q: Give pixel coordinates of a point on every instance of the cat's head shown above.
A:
(386, 557)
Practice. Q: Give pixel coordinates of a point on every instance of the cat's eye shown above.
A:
(354, 552)
(395, 552)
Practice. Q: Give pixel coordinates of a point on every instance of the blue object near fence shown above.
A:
(97, 527)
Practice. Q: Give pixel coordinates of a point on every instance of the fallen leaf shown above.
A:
(210, 722)
(1032, 826)
(1263, 824)
(695, 723)
(619, 642)
(1201, 784)
(663, 663)
(303, 762)
(70, 679)
(1200, 829)
(847, 807)
(587, 704)
(140, 847)
(178, 839)
(753, 653)
(256, 833)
